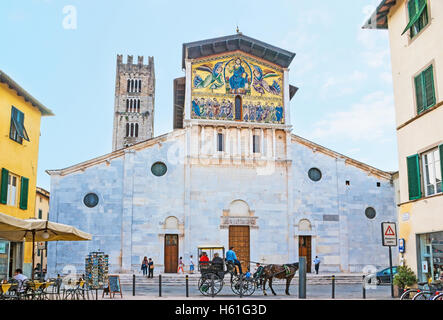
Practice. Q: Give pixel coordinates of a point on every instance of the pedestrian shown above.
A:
(144, 266)
(180, 265)
(151, 268)
(191, 264)
(316, 264)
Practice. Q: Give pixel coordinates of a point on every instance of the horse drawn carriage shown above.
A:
(214, 268)
(213, 273)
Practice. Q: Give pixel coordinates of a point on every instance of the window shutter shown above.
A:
(4, 186)
(24, 193)
(428, 79)
(419, 93)
(440, 147)
(414, 180)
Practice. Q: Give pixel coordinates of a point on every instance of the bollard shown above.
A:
(133, 285)
(187, 286)
(302, 279)
(333, 286)
(159, 285)
(364, 287)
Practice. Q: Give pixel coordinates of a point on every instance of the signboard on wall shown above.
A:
(389, 234)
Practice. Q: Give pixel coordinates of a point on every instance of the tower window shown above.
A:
(138, 105)
(136, 130)
(238, 108)
(127, 130)
(139, 86)
(255, 144)
(127, 105)
(129, 86)
(132, 129)
(220, 142)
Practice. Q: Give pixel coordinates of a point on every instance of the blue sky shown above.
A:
(345, 101)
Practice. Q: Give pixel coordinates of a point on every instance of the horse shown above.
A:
(285, 271)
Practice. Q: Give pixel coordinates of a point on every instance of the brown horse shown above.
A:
(285, 271)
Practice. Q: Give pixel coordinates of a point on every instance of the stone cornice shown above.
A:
(115, 154)
(360, 165)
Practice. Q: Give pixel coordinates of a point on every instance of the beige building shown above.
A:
(41, 212)
(415, 33)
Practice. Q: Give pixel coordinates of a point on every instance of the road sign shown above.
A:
(389, 234)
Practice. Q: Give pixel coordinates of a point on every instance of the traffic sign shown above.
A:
(389, 234)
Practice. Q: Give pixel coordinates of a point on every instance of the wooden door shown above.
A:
(304, 250)
(239, 239)
(171, 253)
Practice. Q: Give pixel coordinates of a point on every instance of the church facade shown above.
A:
(231, 173)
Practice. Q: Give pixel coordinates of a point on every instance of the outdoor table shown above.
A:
(5, 287)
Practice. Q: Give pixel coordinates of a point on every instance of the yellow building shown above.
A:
(415, 33)
(20, 115)
(41, 212)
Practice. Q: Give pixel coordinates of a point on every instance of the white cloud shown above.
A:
(371, 119)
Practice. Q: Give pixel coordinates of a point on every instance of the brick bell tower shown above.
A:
(134, 102)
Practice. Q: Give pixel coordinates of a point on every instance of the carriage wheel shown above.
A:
(206, 286)
(247, 286)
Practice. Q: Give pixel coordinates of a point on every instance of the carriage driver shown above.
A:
(230, 256)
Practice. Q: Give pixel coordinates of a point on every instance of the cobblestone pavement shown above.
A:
(342, 291)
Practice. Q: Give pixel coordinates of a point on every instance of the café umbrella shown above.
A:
(14, 229)
(44, 230)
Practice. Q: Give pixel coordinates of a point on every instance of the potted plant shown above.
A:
(404, 278)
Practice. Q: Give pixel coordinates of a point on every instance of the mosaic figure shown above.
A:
(260, 85)
(238, 81)
(214, 80)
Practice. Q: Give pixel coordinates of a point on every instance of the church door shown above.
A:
(304, 250)
(239, 239)
(171, 253)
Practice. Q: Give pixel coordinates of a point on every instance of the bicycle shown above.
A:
(430, 293)
(438, 296)
(409, 294)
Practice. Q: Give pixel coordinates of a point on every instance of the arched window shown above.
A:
(127, 105)
(238, 108)
(129, 85)
(135, 85)
(132, 129)
(139, 86)
(138, 105)
(127, 130)
(136, 130)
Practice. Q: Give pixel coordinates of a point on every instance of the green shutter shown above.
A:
(419, 93)
(416, 8)
(24, 193)
(414, 180)
(4, 186)
(440, 147)
(428, 87)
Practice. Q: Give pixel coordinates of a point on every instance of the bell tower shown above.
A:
(134, 102)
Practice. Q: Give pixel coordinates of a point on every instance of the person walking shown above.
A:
(144, 266)
(180, 265)
(316, 264)
(191, 264)
(150, 268)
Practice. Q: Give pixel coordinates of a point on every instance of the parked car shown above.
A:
(382, 276)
